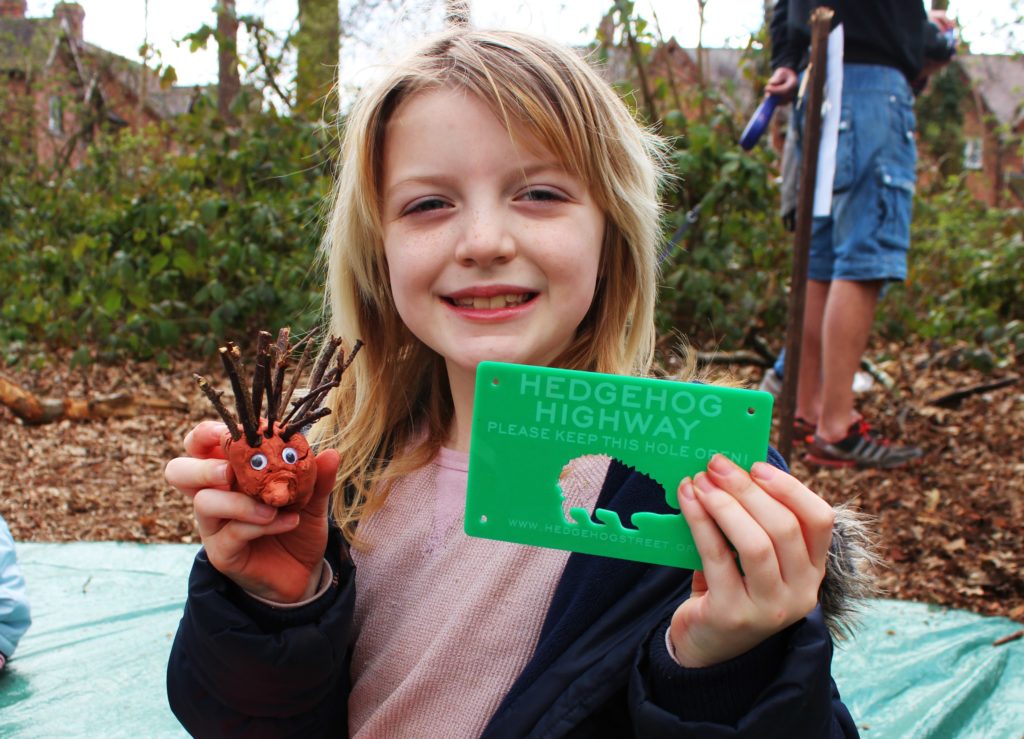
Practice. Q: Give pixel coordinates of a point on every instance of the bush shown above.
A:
(964, 281)
(143, 249)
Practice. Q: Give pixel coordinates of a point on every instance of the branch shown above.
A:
(301, 423)
(956, 396)
(634, 49)
(280, 354)
(33, 410)
(259, 378)
(231, 358)
(214, 397)
(286, 397)
(261, 52)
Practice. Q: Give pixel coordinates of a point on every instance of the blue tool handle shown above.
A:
(758, 122)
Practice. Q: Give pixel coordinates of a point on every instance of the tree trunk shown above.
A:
(228, 83)
(318, 43)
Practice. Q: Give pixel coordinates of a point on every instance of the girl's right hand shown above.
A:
(268, 552)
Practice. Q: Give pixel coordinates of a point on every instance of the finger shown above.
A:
(326, 473)
(234, 536)
(761, 572)
(189, 474)
(205, 440)
(814, 514)
(699, 585)
(720, 571)
(215, 508)
(781, 524)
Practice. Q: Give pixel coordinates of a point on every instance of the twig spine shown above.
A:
(214, 397)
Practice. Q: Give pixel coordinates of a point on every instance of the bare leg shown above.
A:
(848, 316)
(808, 394)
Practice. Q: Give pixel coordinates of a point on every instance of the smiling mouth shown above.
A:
(493, 302)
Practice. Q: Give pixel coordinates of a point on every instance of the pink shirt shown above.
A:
(444, 622)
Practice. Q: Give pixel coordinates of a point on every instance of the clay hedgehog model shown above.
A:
(271, 459)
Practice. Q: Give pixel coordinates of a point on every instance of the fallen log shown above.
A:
(34, 410)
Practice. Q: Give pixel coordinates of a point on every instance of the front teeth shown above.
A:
(496, 301)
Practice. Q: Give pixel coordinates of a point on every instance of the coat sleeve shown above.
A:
(240, 668)
(781, 688)
(15, 616)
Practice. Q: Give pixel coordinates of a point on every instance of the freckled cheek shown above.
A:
(411, 284)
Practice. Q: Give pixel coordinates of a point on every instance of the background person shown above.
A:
(863, 243)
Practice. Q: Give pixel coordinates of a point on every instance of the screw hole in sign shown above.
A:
(750, 411)
(494, 381)
(483, 519)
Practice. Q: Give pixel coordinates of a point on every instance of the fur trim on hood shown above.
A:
(849, 572)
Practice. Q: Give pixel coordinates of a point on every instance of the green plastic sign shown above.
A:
(530, 422)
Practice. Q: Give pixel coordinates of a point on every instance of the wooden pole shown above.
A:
(821, 22)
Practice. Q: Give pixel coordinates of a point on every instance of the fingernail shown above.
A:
(703, 483)
(722, 464)
(219, 473)
(763, 471)
(686, 488)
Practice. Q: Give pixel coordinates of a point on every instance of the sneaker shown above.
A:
(803, 430)
(860, 448)
(772, 383)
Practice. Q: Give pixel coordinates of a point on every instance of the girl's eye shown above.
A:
(425, 205)
(258, 461)
(541, 195)
(289, 455)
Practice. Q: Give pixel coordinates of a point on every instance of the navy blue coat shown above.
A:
(600, 668)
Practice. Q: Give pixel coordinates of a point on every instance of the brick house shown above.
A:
(57, 90)
(994, 127)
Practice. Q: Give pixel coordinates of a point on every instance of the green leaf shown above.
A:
(158, 263)
(185, 262)
(81, 358)
(112, 301)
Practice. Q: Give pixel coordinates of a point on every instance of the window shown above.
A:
(56, 115)
(972, 153)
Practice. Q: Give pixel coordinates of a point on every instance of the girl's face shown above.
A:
(493, 249)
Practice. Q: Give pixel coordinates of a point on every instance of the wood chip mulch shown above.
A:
(950, 528)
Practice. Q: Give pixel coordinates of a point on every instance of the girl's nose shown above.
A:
(486, 240)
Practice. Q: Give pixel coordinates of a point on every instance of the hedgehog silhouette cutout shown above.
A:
(575, 489)
(270, 458)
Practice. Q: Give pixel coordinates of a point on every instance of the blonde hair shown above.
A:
(393, 411)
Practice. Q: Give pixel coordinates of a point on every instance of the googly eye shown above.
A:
(289, 455)
(258, 461)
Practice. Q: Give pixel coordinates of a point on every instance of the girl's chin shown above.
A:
(469, 364)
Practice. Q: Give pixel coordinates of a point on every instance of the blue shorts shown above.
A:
(868, 233)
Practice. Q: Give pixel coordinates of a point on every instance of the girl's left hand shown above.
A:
(781, 532)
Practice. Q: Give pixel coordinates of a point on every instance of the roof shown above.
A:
(1000, 80)
(28, 44)
(724, 66)
(723, 70)
(25, 43)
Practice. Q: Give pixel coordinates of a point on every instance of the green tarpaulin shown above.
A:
(92, 665)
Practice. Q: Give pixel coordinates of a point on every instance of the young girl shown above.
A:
(496, 202)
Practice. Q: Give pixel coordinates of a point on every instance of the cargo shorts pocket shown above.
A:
(846, 152)
(896, 202)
